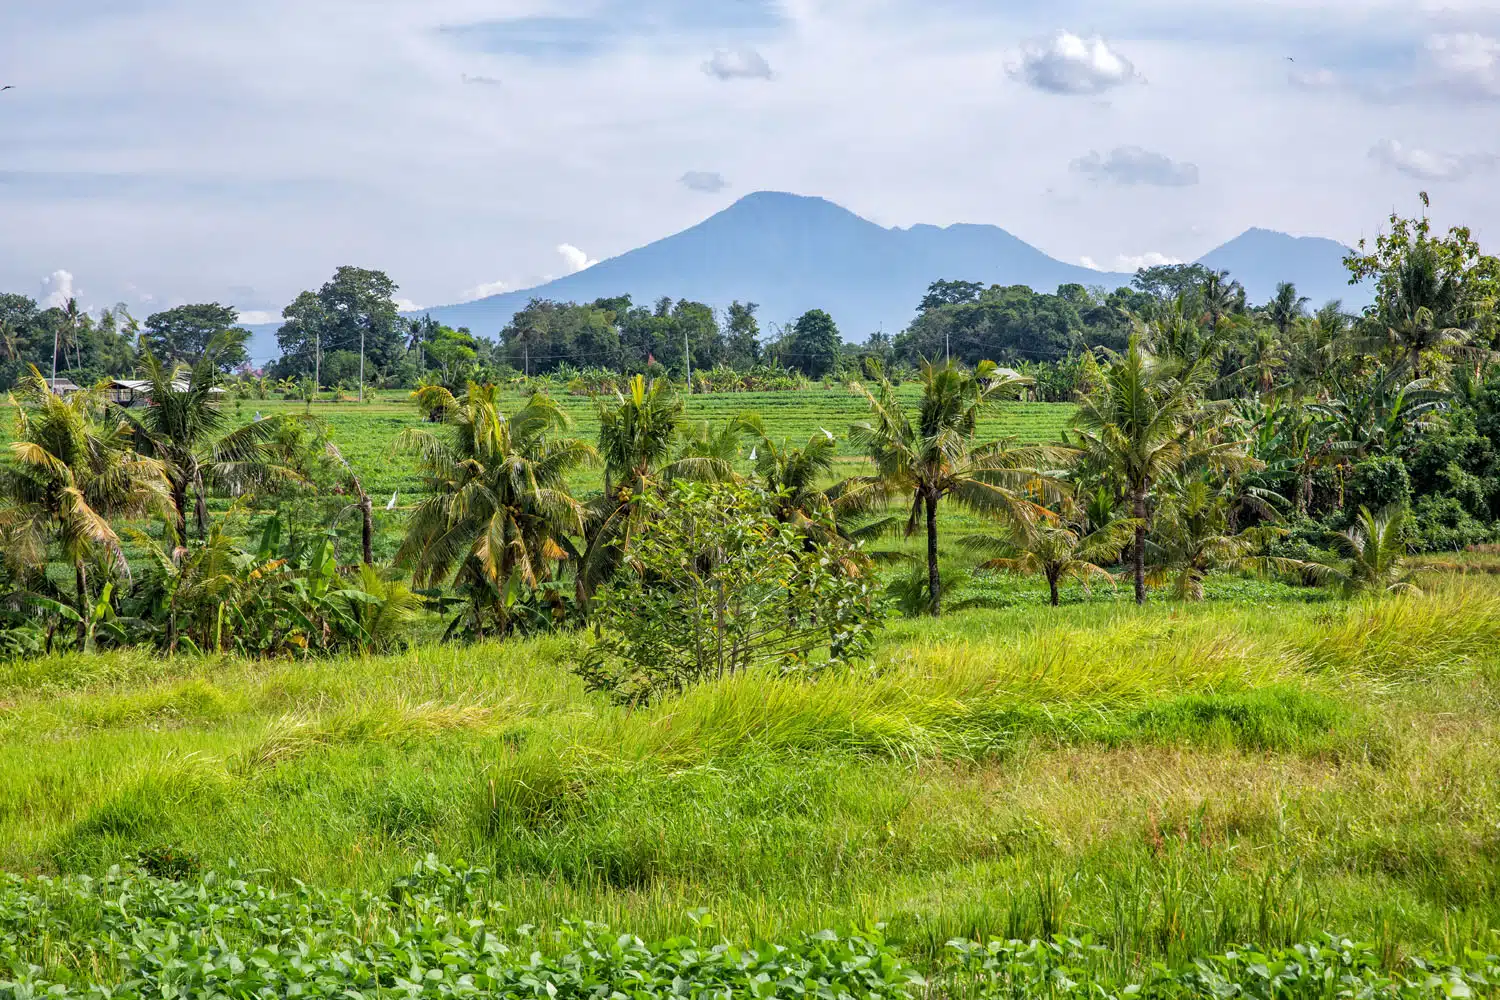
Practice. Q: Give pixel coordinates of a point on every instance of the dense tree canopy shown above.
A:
(183, 333)
(354, 305)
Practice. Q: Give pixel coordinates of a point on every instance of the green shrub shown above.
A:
(715, 585)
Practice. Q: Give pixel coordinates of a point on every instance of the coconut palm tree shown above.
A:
(498, 513)
(72, 474)
(641, 444)
(1055, 550)
(1146, 422)
(798, 482)
(935, 456)
(184, 427)
(1286, 307)
(1195, 533)
(1422, 309)
(1370, 557)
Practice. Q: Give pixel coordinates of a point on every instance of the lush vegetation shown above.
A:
(847, 665)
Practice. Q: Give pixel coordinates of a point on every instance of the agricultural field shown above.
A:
(366, 432)
(1146, 785)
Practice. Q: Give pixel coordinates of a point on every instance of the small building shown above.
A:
(128, 392)
(62, 386)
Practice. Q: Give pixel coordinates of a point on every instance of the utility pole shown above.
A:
(947, 347)
(687, 355)
(56, 333)
(361, 363)
(317, 364)
(526, 355)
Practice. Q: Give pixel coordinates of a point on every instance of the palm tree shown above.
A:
(1221, 296)
(797, 480)
(936, 456)
(1195, 533)
(499, 511)
(1265, 360)
(183, 427)
(1144, 424)
(1057, 551)
(1370, 556)
(638, 433)
(1286, 308)
(71, 474)
(1422, 308)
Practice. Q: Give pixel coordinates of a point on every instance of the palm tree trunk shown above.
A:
(179, 500)
(1052, 584)
(81, 580)
(1139, 555)
(367, 532)
(200, 509)
(934, 585)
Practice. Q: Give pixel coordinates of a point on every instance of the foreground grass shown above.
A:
(1171, 780)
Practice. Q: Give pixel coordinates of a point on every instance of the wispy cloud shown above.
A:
(1465, 65)
(707, 181)
(1429, 165)
(738, 64)
(1130, 263)
(484, 290)
(1131, 165)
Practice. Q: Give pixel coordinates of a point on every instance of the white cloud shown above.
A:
(1466, 64)
(1429, 165)
(707, 181)
(485, 290)
(1130, 263)
(57, 289)
(257, 317)
(1130, 165)
(406, 305)
(738, 64)
(575, 259)
(866, 99)
(1070, 64)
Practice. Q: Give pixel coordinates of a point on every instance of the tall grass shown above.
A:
(1171, 779)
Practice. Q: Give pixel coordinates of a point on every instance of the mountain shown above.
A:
(792, 253)
(1260, 259)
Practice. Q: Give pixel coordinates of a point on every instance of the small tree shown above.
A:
(1056, 551)
(715, 585)
(1371, 556)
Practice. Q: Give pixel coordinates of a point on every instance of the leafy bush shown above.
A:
(436, 934)
(714, 585)
(1443, 525)
(1377, 483)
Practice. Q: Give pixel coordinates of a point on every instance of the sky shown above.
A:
(155, 152)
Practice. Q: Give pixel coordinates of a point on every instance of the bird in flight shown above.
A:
(8, 86)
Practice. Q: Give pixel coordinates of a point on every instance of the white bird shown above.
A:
(257, 415)
(752, 453)
(826, 432)
(392, 504)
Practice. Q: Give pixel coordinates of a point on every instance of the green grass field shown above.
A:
(1170, 780)
(1158, 785)
(366, 432)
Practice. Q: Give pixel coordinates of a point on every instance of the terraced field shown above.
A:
(366, 433)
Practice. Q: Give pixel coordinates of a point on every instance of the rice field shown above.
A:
(365, 432)
(1166, 782)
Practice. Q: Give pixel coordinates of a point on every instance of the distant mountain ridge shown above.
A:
(791, 253)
